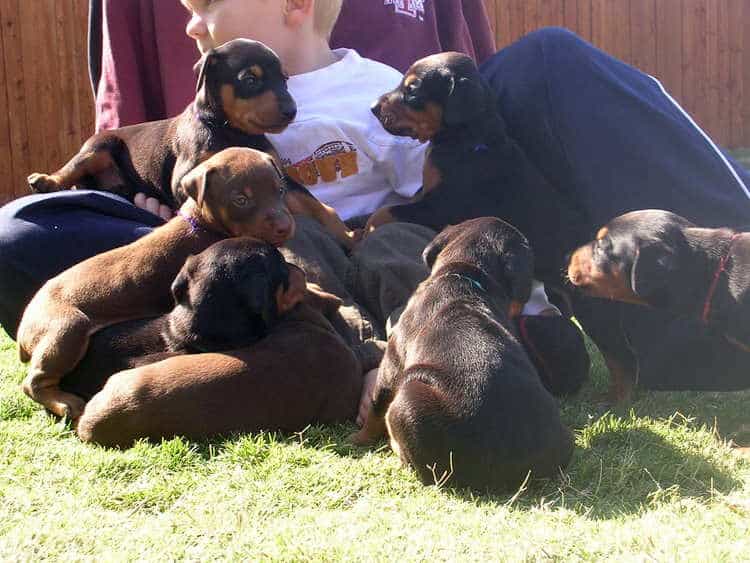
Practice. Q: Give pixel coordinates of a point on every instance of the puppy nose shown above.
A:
(287, 105)
(376, 109)
(281, 224)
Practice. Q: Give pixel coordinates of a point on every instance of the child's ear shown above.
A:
(297, 11)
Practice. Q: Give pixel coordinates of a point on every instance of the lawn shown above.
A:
(652, 480)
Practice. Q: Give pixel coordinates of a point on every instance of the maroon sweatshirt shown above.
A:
(147, 60)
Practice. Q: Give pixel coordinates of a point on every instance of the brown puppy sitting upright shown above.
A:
(653, 257)
(241, 95)
(237, 192)
(300, 373)
(473, 167)
(456, 390)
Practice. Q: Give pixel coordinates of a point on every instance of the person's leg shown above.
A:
(387, 266)
(326, 264)
(612, 140)
(42, 235)
(609, 136)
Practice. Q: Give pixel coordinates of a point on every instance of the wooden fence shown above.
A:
(46, 105)
(700, 49)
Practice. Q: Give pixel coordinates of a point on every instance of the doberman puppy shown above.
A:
(457, 393)
(237, 192)
(656, 258)
(224, 298)
(473, 168)
(241, 95)
(301, 373)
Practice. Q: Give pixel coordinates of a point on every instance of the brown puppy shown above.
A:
(301, 373)
(237, 192)
(456, 391)
(225, 298)
(473, 167)
(656, 258)
(241, 95)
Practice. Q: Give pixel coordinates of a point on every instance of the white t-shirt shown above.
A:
(338, 149)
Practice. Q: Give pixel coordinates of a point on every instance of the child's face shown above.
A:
(214, 22)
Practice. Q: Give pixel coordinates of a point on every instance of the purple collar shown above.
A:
(195, 226)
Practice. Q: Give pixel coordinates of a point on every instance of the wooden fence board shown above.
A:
(6, 162)
(736, 136)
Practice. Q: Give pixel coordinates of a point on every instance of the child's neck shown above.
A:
(312, 54)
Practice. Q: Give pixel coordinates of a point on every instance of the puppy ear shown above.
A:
(287, 299)
(653, 266)
(466, 101)
(258, 297)
(179, 286)
(200, 67)
(195, 183)
(431, 251)
(326, 303)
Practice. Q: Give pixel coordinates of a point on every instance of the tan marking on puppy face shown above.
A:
(602, 233)
(584, 274)
(255, 116)
(257, 71)
(244, 196)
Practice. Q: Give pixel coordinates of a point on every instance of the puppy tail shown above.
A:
(416, 421)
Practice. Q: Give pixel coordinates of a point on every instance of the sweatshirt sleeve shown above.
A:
(138, 39)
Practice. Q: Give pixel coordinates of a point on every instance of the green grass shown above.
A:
(653, 481)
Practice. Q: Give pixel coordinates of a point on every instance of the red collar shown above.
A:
(714, 282)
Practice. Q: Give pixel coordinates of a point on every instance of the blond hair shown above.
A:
(326, 14)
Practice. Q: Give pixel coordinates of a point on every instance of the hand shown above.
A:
(152, 205)
(380, 217)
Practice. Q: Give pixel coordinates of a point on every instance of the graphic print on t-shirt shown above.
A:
(328, 163)
(413, 8)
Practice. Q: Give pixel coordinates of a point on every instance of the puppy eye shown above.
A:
(414, 86)
(241, 200)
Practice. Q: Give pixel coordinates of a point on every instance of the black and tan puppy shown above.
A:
(456, 391)
(241, 95)
(473, 168)
(237, 192)
(227, 297)
(656, 258)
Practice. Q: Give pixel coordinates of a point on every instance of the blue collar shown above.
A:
(474, 282)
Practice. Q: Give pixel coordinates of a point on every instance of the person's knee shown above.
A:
(554, 38)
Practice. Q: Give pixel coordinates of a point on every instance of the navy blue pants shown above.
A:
(608, 136)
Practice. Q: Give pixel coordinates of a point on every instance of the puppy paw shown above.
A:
(42, 183)
(360, 438)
